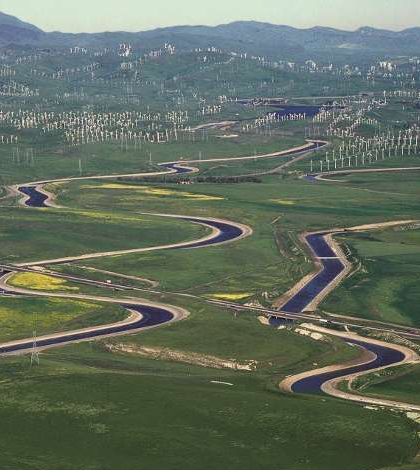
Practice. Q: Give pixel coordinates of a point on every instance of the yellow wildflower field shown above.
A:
(156, 192)
(237, 296)
(38, 281)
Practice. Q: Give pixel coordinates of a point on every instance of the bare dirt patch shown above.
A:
(167, 354)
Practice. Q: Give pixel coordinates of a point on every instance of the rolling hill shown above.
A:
(263, 39)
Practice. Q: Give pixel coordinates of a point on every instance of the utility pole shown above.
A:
(34, 353)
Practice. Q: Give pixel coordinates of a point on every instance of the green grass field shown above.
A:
(52, 160)
(120, 411)
(385, 286)
(27, 234)
(276, 206)
(21, 316)
(401, 384)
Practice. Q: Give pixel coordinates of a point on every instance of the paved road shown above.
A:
(314, 177)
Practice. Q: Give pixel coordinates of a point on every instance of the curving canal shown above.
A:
(35, 198)
(384, 357)
(332, 268)
(150, 316)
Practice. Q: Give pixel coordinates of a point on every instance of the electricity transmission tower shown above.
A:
(34, 353)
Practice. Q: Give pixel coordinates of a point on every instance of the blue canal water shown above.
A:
(36, 199)
(152, 316)
(299, 302)
(319, 245)
(227, 233)
(331, 268)
(384, 357)
(289, 110)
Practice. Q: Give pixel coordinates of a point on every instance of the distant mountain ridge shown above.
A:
(8, 20)
(13, 30)
(264, 39)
